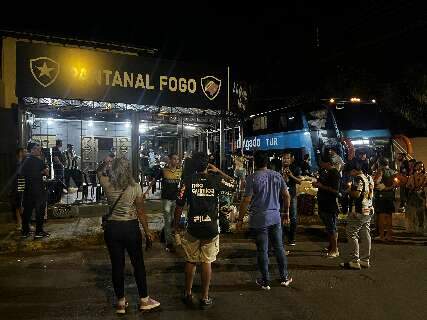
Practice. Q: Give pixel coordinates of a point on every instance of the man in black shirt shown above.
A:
(33, 169)
(328, 186)
(201, 241)
(291, 175)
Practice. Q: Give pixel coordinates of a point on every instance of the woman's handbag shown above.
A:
(110, 211)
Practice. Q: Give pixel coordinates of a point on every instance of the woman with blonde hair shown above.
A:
(121, 229)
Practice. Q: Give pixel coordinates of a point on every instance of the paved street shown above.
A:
(76, 285)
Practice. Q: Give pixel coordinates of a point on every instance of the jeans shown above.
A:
(35, 201)
(168, 215)
(262, 236)
(358, 227)
(120, 236)
(291, 230)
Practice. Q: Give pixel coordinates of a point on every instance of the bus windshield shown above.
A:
(361, 117)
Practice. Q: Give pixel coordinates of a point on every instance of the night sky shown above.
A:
(281, 50)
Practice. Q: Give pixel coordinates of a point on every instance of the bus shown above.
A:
(344, 126)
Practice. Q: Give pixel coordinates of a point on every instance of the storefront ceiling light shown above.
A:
(360, 142)
(50, 121)
(142, 128)
(90, 123)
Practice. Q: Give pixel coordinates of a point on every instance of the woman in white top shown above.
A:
(122, 230)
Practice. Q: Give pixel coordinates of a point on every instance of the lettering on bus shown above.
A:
(271, 142)
(250, 143)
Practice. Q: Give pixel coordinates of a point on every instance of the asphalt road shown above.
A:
(76, 285)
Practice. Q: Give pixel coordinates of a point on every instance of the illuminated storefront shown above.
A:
(103, 100)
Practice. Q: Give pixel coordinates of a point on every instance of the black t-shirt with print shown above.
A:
(170, 182)
(200, 191)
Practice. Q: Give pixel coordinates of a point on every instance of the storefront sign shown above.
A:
(49, 71)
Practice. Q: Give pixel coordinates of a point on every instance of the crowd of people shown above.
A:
(363, 191)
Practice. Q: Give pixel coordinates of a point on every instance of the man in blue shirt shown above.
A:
(262, 194)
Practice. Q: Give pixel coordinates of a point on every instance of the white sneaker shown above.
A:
(149, 305)
(334, 254)
(364, 264)
(286, 282)
(121, 308)
(263, 285)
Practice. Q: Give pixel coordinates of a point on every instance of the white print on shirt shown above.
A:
(198, 219)
(199, 190)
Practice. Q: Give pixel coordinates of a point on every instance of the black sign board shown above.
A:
(50, 71)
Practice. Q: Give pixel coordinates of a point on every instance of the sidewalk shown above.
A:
(72, 232)
(86, 231)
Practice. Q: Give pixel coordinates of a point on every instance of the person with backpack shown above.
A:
(358, 221)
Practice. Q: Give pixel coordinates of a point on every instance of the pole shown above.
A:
(228, 89)
(221, 142)
(135, 145)
(81, 140)
(181, 149)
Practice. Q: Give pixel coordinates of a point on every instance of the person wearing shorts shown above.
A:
(200, 251)
(328, 186)
(200, 242)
